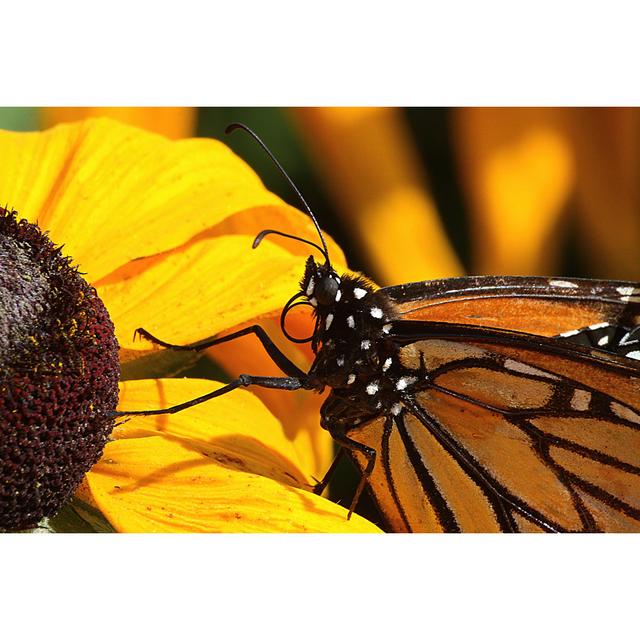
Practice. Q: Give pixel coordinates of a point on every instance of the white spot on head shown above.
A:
(396, 408)
(351, 322)
(351, 379)
(340, 361)
(328, 321)
(404, 382)
(604, 340)
(359, 293)
(634, 354)
(386, 328)
(563, 283)
(338, 295)
(365, 344)
(376, 312)
(372, 389)
(310, 286)
(387, 364)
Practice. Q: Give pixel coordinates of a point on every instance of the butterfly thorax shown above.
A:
(356, 356)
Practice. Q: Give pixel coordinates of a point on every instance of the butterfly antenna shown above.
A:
(237, 125)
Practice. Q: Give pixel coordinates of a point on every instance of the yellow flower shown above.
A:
(163, 232)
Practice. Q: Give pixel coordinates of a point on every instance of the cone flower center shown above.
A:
(59, 374)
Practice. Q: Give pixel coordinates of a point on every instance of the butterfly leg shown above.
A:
(243, 380)
(322, 484)
(276, 355)
(370, 454)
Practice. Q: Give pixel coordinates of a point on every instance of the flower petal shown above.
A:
(223, 465)
(519, 169)
(200, 290)
(173, 122)
(155, 485)
(298, 412)
(237, 422)
(368, 160)
(112, 193)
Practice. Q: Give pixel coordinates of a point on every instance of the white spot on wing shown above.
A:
(365, 344)
(351, 379)
(328, 321)
(521, 367)
(387, 364)
(340, 361)
(624, 412)
(386, 328)
(396, 408)
(581, 400)
(598, 325)
(565, 284)
(376, 312)
(372, 389)
(635, 355)
(568, 334)
(359, 293)
(604, 340)
(351, 322)
(338, 295)
(627, 294)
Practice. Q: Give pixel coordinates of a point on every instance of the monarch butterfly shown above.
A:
(470, 404)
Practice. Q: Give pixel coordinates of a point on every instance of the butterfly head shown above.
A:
(320, 284)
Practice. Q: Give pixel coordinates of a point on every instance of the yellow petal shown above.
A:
(112, 193)
(299, 412)
(519, 171)
(237, 422)
(607, 191)
(153, 484)
(173, 122)
(224, 465)
(200, 290)
(368, 160)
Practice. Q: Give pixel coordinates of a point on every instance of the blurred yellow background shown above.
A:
(421, 193)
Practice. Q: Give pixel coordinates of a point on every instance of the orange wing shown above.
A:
(541, 306)
(508, 432)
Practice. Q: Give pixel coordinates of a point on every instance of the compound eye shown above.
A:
(325, 291)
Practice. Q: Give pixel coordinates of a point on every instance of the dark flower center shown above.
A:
(59, 374)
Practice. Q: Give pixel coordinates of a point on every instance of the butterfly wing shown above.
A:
(509, 431)
(541, 306)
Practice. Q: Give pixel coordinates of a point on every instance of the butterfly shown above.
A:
(476, 404)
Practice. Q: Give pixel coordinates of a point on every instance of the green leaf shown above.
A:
(78, 517)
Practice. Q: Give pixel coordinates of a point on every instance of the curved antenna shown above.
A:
(283, 317)
(237, 125)
(267, 232)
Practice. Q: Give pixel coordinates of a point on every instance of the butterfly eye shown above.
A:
(325, 291)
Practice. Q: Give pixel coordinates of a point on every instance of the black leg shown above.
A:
(320, 486)
(367, 452)
(276, 355)
(288, 384)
